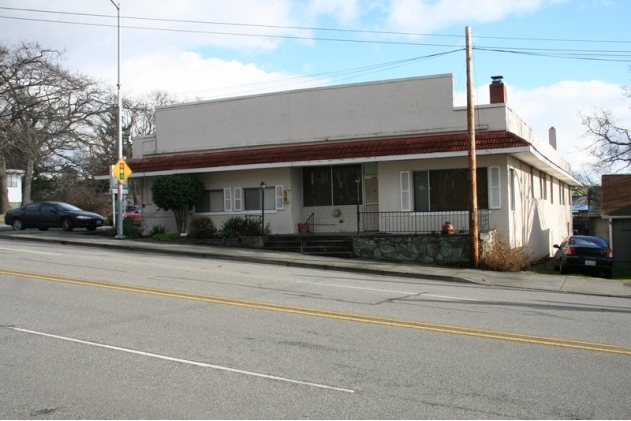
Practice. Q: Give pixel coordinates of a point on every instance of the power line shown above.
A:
(563, 55)
(364, 31)
(337, 76)
(293, 37)
(560, 53)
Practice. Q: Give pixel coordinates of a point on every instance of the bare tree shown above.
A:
(610, 143)
(4, 197)
(45, 110)
(139, 114)
(137, 120)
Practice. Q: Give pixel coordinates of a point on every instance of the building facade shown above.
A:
(616, 212)
(14, 185)
(389, 156)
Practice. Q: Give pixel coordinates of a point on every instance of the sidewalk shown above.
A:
(521, 280)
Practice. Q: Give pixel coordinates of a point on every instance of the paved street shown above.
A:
(100, 332)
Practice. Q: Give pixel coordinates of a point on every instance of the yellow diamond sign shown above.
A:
(121, 171)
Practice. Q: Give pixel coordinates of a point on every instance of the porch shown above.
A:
(395, 222)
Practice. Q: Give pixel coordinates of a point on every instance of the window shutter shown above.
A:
(495, 201)
(405, 191)
(227, 200)
(238, 199)
(280, 201)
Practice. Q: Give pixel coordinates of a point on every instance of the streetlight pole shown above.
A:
(119, 217)
(262, 207)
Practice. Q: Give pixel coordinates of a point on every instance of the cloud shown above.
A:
(188, 76)
(343, 11)
(561, 106)
(425, 16)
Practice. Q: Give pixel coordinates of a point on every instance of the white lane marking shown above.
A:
(388, 290)
(179, 360)
(29, 251)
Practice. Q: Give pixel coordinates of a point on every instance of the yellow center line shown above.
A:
(385, 321)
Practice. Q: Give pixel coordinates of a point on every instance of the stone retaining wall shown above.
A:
(435, 249)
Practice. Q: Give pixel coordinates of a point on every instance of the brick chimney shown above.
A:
(497, 90)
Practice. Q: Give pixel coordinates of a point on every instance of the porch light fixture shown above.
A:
(262, 207)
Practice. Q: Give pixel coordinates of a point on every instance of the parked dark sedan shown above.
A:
(585, 253)
(44, 215)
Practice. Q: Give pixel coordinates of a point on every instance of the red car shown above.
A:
(132, 213)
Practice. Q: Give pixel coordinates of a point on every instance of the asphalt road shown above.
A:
(102, 334)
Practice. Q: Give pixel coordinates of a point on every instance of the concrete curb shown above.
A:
(553, 283)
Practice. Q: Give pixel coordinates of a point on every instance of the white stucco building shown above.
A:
(14, 185)
(402, 142)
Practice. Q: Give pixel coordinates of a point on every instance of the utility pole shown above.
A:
(473, 183)
(119, 217)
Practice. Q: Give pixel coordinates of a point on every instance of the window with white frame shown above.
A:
(238, 199)
(12, 180)
(495, 197)
(252, 198)
(211, 201)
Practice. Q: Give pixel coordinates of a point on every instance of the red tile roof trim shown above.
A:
(373, 148)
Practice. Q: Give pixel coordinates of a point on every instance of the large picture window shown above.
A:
(448, 190)
(331, 185)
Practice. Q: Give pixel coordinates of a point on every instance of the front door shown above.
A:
(371, 215)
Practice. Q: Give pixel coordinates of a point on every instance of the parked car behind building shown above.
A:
(584, 253)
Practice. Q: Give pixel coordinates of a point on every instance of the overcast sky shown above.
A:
(558, 57)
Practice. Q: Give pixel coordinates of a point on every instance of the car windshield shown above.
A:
(67, 207)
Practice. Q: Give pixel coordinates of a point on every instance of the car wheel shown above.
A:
(17, 224)
(43, 228)
(66, 224)
(608, 273)
(91, 228)
(562, 267)
(555, 267)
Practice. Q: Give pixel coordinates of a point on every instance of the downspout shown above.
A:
(611, 233)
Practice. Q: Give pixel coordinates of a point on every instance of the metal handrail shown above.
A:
(310, 227)
(420, 222)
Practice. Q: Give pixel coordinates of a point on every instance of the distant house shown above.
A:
(14, 185)
(616, 209)
(380, 157)
(580, 220)
(597, 225)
